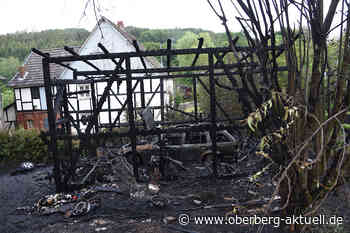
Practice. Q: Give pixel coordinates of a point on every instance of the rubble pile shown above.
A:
(108, 179)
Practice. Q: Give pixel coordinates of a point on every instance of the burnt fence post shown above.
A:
(52, 126)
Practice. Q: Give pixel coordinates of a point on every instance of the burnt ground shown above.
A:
(121, 213)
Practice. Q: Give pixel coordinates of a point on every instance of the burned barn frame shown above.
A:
(61, 119)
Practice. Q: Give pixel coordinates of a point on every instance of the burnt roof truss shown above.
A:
(63, 115)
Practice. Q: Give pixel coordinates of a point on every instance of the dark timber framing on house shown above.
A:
(57, 101)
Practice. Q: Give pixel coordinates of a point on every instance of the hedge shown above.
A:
(22, 145)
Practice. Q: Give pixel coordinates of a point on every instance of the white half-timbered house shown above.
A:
(29, 88)
(29, 91)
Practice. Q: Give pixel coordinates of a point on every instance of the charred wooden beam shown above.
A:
(168, 64)
(132, 129)
(216, 102)
(195, 99)
(124, 105)
(100, 103)
(71, 51)
(161, 52)
(116, 97)
(154, 93)
(214, 70)
(183, 112)
(142, 88)
(95, 106)
(172, 76)
(52, 126)
(58, 99)
(68, 145)
(168, 57)
(46, 55)
(162, 103)
(103, 48)
(77, 92)
(171, 69)
(212, 111)
(194, 81)
(200, 44)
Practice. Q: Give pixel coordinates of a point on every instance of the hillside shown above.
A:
(16, 46)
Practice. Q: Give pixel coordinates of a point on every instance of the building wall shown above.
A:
(114, 42)
(36, 119)
(34, 109)
(10, 113)
(30, 98)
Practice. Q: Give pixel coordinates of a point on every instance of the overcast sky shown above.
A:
(37, 15)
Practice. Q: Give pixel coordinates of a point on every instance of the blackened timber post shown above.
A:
(52, 126)
(75, 77)
(94, 119)
(212, 110)
(142, 86)
(142, 90)
(125, 104)
(68, 144)
(161, 98)
(217, 103)
(68, 128)
(94, 106)
(132, 133)
(195, 101)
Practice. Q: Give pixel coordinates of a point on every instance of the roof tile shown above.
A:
(34, 68)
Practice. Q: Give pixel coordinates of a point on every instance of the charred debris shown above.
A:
(102, 144)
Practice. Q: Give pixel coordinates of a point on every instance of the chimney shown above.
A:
(120, 24)
(22, 71)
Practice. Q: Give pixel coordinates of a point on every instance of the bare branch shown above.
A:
(330, 15)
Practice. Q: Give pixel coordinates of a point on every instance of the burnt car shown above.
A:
(194, 146)
(187, 146)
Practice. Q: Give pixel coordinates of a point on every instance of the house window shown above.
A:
(84, 87)
(35, 92)
(30, 124)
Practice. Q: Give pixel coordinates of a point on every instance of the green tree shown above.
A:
(9, 66)
(7, 95)
(227, 100)
(151, 45)
(190, 40)
(301, 129)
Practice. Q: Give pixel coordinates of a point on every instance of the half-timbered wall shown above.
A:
(31, 108)
(82, 104)
(30, 99)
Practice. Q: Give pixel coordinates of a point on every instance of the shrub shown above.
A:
(22, 145)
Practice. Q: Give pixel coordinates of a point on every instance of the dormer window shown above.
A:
(22, 73)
